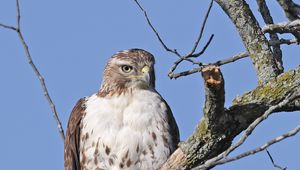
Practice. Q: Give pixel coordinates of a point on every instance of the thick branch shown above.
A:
(260, 148)
(222, 158)
(285, 27)
(291, 9)
(204, 144)
(206, 130)
(283, 41)
(292, 12)
(253, 38)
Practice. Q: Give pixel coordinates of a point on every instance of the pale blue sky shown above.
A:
(70, 42)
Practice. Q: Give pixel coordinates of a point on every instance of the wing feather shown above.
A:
(174, 131)
(173, 126)
(72, 141)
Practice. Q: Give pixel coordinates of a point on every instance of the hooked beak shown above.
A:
(145, 74)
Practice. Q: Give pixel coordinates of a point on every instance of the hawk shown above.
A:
(126, 124)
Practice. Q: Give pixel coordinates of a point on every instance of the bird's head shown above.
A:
(128, 70)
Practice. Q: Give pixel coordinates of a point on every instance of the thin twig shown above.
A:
(36, 71)
(192, 54)
(8, 27)
(18, 15)
(174, 51)
(222, 158)
(202, 29)
(187, 58)
(272, 160)
(203, 50)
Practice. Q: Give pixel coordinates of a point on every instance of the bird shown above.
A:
(126, 124)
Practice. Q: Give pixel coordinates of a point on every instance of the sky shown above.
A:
(70, 42)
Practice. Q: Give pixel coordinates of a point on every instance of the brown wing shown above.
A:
(173, 126)
(72, 141)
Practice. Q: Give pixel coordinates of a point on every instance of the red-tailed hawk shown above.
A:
(126, 124)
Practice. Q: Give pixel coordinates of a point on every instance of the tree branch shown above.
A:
(261, 148)
(217, 63)
(191, 54)
(273, 163)
(292, 12)
(264, 10)
(253, 38)
(8, 27)
(222, 158)
(284, 27)
(291, 9)
(174, 51)
(17, 29)
(204, 145)
(176, 63)
(213, 111)
(232, 59)
(283, 41)
(202, 30)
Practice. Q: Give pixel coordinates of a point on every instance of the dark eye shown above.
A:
(126, 68)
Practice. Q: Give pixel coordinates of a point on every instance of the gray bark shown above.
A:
(219, 126)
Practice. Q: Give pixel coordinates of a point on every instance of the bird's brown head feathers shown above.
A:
(128, 70)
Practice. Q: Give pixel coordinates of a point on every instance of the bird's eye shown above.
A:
(126, 68)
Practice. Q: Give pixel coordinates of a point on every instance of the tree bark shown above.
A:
(253, 38)
(219, 126)
(214, 134)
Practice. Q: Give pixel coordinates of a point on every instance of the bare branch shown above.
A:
(18, 14)
(192, 54)
(217, 63)
(187, 58)
(261, 148)
(36, 71)
(222, 158)
(202, 29)
(185, 73)
(264, 10)
(250, 31)
(291, 9)
(203, 50)
(8, 27)
(284, 27)
(274, 164)
(232, 59)
(203, 144)
(174, 51)
(283, 41)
